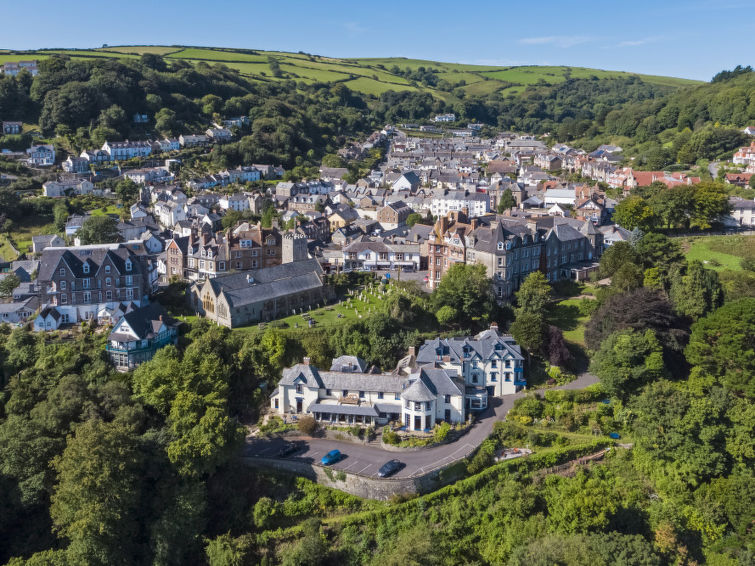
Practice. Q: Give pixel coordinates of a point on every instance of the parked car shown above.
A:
(389, 468)
(331, 457)
(289, 449)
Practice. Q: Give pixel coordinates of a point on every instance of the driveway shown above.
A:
(366, 459)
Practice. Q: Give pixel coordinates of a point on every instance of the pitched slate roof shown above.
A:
(349, 363)
(268, 283)
(484, 345)
(146, 321)
(94, 255)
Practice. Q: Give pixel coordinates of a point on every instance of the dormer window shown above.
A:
(86, 268)
(128, 265)
(500, 245)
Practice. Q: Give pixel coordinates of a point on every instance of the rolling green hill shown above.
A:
(368, 76)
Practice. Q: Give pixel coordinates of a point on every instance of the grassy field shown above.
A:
(374, 75)
(720, 252)
(553, 75)
(28, 228)
(140, 49)
(6, 250)
(371, 86)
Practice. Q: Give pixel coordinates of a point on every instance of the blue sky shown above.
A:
(693, 39)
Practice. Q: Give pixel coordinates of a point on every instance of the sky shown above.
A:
(692, 39)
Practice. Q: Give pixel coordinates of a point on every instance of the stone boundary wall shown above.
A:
(361, 486)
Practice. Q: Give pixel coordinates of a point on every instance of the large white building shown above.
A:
(477, 204)
(446, 380)
(121, 151)
(366, 253)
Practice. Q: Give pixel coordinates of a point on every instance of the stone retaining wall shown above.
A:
(361, 486)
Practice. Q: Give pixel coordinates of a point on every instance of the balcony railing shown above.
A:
(152, 346)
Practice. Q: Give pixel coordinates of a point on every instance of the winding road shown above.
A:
(366, 459)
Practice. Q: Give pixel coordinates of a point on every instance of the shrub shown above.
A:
(588, 306)
(274, 425)
(357, 431)
(264, 512)
(307, 425)
(523, 419)
(483, 458)
(509, 433)
(390, 437)
(441, 431)
(529, 407)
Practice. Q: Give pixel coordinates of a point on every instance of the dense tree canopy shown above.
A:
(466, 289)
(723, 345)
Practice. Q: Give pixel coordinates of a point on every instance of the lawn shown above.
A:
(565, 314)
(720, 252)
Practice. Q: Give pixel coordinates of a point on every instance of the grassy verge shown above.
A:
(720, 252)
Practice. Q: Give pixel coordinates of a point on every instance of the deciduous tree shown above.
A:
(627, 360)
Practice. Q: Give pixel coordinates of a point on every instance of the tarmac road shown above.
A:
(366, 459)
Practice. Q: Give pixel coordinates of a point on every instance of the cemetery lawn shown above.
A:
(324, 316)
(328, 315)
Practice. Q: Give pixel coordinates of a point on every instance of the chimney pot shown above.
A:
(306, 361)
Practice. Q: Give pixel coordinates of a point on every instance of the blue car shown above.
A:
(331, 457)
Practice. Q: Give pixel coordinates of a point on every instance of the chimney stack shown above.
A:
(306, 360)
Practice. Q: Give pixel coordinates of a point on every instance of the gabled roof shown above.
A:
(485, 345)
(308, 374)
(268, 283)
(145, 321)
(349, 364)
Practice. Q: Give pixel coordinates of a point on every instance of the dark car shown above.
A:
(389, 468)
(331, 457)
(289, 449)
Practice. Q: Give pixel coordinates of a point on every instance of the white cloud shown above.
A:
(557, 40)
(636, 42)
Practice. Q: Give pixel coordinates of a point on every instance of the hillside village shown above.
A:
(508, 202)
(275, 307)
